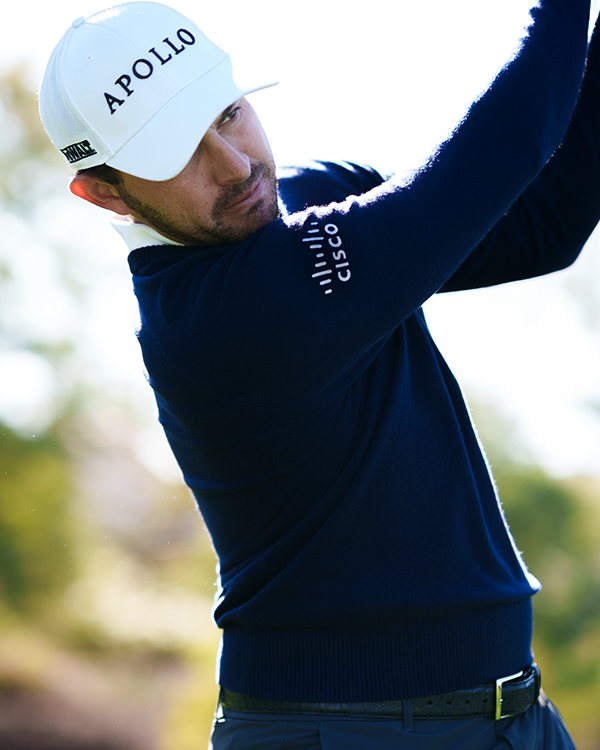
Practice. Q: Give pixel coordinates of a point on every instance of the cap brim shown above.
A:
(166, 143)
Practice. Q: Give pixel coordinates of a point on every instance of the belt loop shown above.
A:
(407, 715)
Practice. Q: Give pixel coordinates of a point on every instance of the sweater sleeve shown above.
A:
(548, 225)
(302, 308)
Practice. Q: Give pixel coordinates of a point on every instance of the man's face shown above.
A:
(227, 190)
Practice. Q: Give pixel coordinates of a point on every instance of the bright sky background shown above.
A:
(379, 82)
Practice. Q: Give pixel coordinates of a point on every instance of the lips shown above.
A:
(247, 199)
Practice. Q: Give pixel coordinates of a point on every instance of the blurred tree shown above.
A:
(29, 164)
(37, 530)
(556, 526)
(35, 285)
(59, 299)
(552, 525)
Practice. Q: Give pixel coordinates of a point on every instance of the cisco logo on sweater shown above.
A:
(331, 261)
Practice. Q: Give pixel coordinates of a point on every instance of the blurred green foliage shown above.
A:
(552, 524)
(556, 524)
(37, 528)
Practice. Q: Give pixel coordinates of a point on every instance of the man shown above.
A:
(371, 594)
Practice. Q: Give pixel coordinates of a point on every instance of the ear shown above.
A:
(99, 193)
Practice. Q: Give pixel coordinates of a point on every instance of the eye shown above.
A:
(230, 114)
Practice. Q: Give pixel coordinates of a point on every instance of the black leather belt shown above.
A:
(506, 697)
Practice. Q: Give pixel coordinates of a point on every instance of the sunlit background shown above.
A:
(379, 83)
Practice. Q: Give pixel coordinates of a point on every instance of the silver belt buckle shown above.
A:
(499, 700)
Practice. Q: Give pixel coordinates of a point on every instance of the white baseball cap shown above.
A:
(135, 87)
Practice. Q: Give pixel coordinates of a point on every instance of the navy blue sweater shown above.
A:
(363, 551)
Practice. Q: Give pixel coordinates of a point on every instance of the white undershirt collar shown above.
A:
(139, 235)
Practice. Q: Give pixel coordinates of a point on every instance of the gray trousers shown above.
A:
(539, 728)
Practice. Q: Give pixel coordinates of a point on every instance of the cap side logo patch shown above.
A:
(78, 151)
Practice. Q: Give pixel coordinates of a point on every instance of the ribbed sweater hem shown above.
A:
(427, 658)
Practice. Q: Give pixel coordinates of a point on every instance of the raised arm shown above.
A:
(305, 303)
(548, 225)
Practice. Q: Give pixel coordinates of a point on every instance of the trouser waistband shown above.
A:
(505, 697)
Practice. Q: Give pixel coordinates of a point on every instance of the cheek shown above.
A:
(189, 197)
(256, 144)
(197, 200)
(265, 147)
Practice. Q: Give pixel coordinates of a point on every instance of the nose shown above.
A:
(228, 165)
